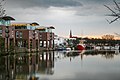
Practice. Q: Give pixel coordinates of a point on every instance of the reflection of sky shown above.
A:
(90, 68)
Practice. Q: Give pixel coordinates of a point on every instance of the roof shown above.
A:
(40, 28)
(24, 24)
(19, 24)
(34, 24)
(51, 27)
(7, 18)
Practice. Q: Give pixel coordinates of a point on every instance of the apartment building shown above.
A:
(46, 38)
(26, 37)
(7, 32)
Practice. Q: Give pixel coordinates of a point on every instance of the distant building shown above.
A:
(60, 42)
(71, 36)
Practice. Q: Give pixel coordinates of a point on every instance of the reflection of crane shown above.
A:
(115, 12)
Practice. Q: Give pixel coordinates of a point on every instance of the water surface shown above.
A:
(85, 65)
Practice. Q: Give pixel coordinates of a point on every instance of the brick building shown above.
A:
(30, 38)
(46, 38)
(25, 36)
(7, 32)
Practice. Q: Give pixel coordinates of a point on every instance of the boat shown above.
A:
(68, 49)
(81, 45)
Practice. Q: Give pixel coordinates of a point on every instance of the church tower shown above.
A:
(70, 34)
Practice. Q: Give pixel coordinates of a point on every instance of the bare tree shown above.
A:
(2, 10)
(115, 12)
(108, 37)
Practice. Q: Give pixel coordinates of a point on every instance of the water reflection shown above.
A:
(34, 66)
(25, 67)
(104, 53)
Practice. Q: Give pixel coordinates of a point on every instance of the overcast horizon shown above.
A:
(83, 17)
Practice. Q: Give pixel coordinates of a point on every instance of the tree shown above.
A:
(2, 10)
(115, 12)
(108, 37)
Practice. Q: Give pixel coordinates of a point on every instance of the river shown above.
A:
(62, 65)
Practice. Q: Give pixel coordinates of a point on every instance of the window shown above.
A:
(20, 34)
(41, 44)
(44, 43)
(17, 34)
(40, 36)
(0, 31)
(7, 23)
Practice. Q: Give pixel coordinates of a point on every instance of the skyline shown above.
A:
(83, 17)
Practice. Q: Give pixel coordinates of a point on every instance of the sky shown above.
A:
(83, 17)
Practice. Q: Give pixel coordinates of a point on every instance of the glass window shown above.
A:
(20, 34)
(17, 34)
(44, 43)
(2, 22)
(41, 44)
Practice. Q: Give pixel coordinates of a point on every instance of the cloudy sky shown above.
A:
(83, 17)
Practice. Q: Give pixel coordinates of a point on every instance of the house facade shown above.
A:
(46, 38)
(7, 32)
(25, 36)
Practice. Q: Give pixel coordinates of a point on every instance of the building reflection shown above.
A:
(31, 66)
(26, 67)
(104, 54)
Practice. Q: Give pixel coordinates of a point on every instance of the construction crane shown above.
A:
(115, 12)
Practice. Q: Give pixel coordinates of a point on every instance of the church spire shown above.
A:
(70, 34)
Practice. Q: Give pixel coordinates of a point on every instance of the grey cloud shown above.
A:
(93, 7)
(43, 3)
(97, 1)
